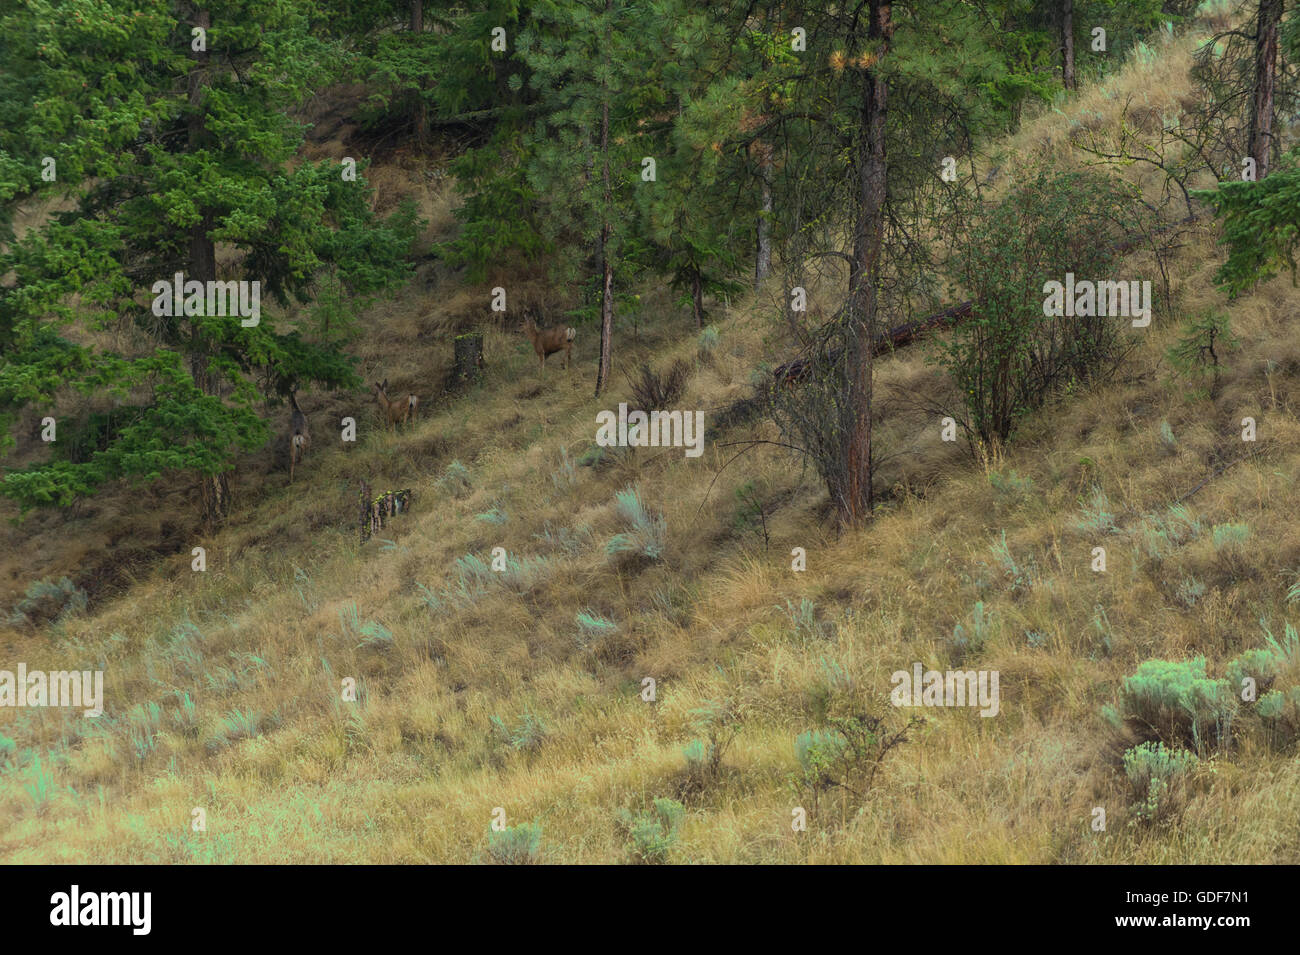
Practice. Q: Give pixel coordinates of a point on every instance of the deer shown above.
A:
(299, 434)
(395, 411)
(547, 341)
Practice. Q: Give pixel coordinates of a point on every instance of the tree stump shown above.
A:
(467, 367)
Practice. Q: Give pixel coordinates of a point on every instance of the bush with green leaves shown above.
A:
(1178, 703)
(707, 343)
(1008, 358)
(845, 755)
(516, 845)
(46, 601)
(652, 833)
(1157, 777)
(645, 534)
(525, 734)
(592, 627)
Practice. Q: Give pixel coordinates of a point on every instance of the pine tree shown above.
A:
(170, 131)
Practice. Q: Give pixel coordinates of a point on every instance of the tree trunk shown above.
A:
(421, 108)
(1260, 144)
(763, 261)
(607, 269)
(214, 488)
(855, 498)
(467, 361)
(1067, 43)
(697, 297)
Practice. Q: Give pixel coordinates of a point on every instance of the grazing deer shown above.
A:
(395, 411)
(299, 434)
(547, 341)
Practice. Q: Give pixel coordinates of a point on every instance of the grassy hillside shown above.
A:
(523, 690)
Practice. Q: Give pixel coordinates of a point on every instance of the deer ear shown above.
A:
(384, 385)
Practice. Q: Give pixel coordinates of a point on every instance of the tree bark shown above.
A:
(1067, 43)
(763, 261)
(1260, 143)
(214, 488)
(421, 109)
(855, 496)
(697, 297)
(607, 269)
(467, 361)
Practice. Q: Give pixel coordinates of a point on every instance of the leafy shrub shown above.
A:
(652, 391)
(525, 735)
(516, 845)
(46, 601)
(652, 834)
(1008, 358)
(1177, 703)
(646, 533)
(375, 636)
(845, 755)
(1167, 436)
(1157, 777)
(40, 789)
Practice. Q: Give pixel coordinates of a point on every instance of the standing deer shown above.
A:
(547, 341)
(299, 434)
(395, 411)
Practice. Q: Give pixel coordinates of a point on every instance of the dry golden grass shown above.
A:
(414, 770)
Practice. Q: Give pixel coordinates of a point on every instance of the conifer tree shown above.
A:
(170, 131)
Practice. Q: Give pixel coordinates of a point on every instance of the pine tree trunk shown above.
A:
(1260, 144)
(1067, 43)
(607, 269)
(697, 297)
(763, 262)
(467, 361)
(421, 109)
(214, 488)
(855, 498)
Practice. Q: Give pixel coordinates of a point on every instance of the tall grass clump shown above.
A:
(645, 533)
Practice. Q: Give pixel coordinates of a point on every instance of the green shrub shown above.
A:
(717, 722)
(652, 833)
(845, 755)
(1177, 703)
(1009, 358)
(964, 641)
(593, 627)
(234, 726)
(516, 845)
(526, 734)
(1157, 777)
